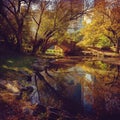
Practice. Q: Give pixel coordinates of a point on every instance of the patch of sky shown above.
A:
(79, 70)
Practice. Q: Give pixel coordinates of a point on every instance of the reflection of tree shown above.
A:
(116, 78)
(106, 92)
(41, 77)
(105, 88)
(66, 102)
(105, 97)
(103, 73)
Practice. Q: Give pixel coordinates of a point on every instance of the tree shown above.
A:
(13, 13)
(113, 15)
(59, 14)
(104, 26)
(5, 32)
(59, 18)
(93, 32)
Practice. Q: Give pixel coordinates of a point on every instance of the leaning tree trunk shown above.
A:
(35, 49)
(44, 46)
(43, 49)
(36, 46)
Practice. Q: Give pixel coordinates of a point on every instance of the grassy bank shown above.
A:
(11, 62)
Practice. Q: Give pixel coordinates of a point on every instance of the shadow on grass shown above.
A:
(14, 62)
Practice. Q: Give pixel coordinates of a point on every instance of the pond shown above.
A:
(86, 86)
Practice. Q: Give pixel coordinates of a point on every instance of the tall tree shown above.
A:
(13, 13)
(104, 26)
(54, 19)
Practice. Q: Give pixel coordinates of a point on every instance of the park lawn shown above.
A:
(13, 63)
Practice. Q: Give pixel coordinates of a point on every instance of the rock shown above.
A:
(11, 86)
(27, 111)
(52, 116)
(24, 72)
(53, 113)
(28, 90)
(34, 96)
(40, 64)
(2, 87)
(52, 109)
(29, 77)
(39, 109)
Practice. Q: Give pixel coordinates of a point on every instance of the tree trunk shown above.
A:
(19, 37)
(43, 49)
(36, 46)
(19, 40)
(35, 49)
(118, 45)
(44, 45)
(19, 45)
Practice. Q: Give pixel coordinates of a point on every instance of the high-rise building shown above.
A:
(77, 6)
(99, 2)
(88, 4)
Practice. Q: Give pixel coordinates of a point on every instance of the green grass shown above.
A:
(13, 63)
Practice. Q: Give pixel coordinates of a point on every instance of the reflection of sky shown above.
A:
(81, 92)
(81, 72)
(89, 77)
(77, 69)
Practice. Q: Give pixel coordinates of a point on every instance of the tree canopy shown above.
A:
(36, 22)
(104, 28)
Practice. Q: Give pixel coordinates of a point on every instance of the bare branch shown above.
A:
(35, 20)
(28, 7)
(12, 4)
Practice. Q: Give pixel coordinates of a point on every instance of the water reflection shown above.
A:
(88, 87)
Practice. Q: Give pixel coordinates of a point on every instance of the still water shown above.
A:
(83, 86)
